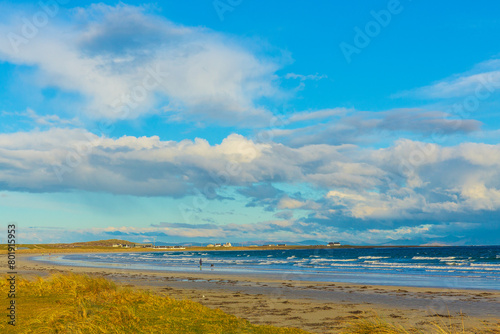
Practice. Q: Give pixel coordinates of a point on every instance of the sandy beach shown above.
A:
(319, 307)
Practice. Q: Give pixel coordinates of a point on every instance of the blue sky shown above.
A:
(368, 122)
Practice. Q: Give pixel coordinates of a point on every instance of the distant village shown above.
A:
(224, 245)
(147, 246)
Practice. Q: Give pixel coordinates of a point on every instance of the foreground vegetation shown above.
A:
(73, 303)
(80, 304)
(379, 326)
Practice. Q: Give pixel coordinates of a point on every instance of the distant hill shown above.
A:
(98, 243)
(267, 242)
(312, 242)
(111, 242)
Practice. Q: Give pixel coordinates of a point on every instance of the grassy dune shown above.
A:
(81, 304)
(379, 326)
(73, 303)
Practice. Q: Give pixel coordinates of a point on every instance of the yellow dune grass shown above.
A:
(81, 304)
(71, 303)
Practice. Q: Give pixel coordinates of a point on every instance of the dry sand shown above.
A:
(319, 307)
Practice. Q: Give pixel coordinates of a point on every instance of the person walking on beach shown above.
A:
(201, 263)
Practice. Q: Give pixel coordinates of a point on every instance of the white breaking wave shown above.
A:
(332, 260)
(433, 258)
(272, 262)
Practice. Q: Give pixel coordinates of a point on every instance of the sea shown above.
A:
(471, 267)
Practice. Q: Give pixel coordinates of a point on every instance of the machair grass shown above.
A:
(73, 304)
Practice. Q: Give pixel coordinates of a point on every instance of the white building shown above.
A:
(335, 244)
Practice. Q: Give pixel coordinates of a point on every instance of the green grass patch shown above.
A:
(81, 304)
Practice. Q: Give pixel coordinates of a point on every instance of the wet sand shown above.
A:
(319, 307)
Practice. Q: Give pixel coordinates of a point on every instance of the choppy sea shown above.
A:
(472, 267)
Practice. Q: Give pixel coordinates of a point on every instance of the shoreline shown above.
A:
(211, 274)
(319, 307)
(295, 275)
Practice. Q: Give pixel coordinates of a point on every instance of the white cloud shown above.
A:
(302, 77)
(374, 205)
(346, 126)
(43, 120)
(479, 197)
(482, 80)
(292, 203)
(127, 62)
(404, 181)
(318, 114)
